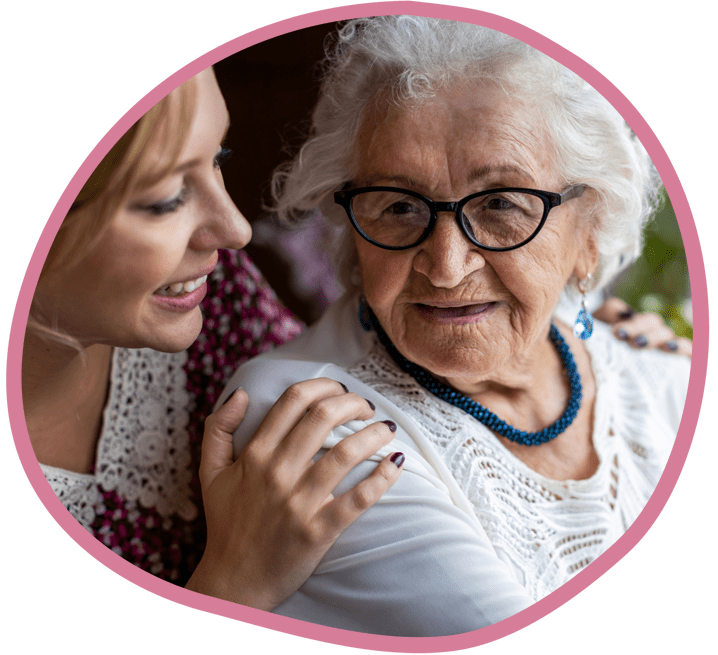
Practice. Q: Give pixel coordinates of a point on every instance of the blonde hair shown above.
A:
(139, 159)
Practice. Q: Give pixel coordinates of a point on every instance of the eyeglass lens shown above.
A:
(497, 220)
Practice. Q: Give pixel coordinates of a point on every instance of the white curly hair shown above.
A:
(408, 59)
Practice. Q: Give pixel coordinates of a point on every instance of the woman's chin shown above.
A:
(449, 360)
(175, 335)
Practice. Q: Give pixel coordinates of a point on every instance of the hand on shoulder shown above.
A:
(641, 330)
(271, 515)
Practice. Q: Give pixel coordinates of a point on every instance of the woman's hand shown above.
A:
(641, 330)
(271, 515)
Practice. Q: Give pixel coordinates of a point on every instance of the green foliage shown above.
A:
(658, 282)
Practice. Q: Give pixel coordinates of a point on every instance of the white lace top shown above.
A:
(548, 530)
(143, 451)
(469, 535)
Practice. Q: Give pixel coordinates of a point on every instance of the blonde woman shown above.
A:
(116, 382)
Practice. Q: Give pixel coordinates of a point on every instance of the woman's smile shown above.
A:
(183, 296)
(181, 288)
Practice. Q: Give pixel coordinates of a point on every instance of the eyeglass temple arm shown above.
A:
(575, 191)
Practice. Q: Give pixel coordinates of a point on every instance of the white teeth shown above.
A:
(179, 288)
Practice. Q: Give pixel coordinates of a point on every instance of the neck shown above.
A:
(64, 391)
(527, 402)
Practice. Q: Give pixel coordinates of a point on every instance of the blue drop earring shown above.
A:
(583, 328)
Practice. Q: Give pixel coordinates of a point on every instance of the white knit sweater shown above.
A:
(548, 530)
(469, 534)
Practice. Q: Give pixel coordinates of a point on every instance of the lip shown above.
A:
(456, 313)
(184, 303)
(207, 270)
(187, 301)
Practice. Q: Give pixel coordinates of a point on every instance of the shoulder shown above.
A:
(336, 340)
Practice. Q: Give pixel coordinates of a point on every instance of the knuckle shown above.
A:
(343, 454)
(321, 412)
(304, 530)
(362, 498)
(210, 421)
(252, 457)
(275, 478)
(298, 393)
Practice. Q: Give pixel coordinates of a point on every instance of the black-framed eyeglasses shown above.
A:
(496, 219)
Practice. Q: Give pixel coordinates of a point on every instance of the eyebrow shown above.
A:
(486, 171)
(408, 182)
(475, 175)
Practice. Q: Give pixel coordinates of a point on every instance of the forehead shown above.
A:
(210, 119)
(194, 119)
(471, 128)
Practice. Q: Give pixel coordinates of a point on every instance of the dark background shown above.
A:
(270, 91)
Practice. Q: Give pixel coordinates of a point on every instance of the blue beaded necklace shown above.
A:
(478, 411)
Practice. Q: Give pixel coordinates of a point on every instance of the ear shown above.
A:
(587, 260)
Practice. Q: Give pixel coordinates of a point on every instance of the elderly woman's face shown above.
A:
(459, 311)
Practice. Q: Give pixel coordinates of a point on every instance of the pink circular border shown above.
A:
(292, 626)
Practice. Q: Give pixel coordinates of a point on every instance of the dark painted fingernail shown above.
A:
(671, 345)
(628, 313)
(391, 425)
(344, 386)
(621, 334)
(230, 395)
(398, 459)
(371, 404)
(640, 341)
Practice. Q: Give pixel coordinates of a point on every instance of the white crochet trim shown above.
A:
(78, 492)
(549, 530)
(143, 453)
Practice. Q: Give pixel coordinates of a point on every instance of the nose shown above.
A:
(447, 257)
(222, 224)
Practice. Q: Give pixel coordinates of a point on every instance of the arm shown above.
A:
(271, 514)
(417, 563)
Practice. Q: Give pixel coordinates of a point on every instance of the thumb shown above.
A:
(217, 448)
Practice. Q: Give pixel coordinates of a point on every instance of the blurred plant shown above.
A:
(658, 281)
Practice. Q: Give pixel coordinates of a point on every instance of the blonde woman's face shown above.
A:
(142, 285)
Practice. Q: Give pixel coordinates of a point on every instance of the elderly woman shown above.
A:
(478, 180)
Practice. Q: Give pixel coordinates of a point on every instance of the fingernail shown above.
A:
(628, 313)
(621, 334)
(344, 386)
(671, 345)
(398, 459)
(640, 341)
(371, 404)
(391, 425)
(230, 395)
